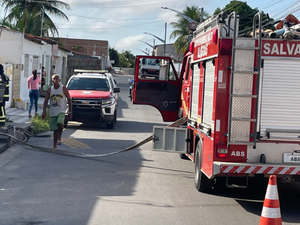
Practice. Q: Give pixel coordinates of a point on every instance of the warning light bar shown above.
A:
(90, 71)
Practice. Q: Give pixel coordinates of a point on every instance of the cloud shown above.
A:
(129, 42)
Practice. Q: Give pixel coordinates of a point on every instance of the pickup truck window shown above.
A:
(94, 84)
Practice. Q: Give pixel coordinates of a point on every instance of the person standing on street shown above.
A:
(43, 79)
(4, 80)
(58, 95)
(33, 86)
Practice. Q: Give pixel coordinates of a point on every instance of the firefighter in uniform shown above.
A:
(3, 80)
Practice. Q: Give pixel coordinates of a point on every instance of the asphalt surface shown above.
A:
(136, 187)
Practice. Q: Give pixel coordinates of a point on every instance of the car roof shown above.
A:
(91, 73)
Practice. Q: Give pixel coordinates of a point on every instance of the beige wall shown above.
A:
(16, 81)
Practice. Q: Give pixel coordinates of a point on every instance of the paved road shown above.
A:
(135, 187)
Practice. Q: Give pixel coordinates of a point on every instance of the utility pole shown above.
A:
(153, 53)
(201, 15)
(165, 39)
(192, 25)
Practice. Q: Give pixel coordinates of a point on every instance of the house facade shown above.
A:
(21, 54)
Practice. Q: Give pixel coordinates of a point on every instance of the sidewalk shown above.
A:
(18, 118)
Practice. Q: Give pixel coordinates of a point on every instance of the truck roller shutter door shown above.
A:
(195, 92)
(280, 99)
(208, 93)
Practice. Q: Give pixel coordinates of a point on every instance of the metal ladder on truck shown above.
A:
(242, 99)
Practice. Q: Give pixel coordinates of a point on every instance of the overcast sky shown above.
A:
(123, 22)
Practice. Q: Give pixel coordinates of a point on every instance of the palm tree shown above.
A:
(181, 31)
(34, 13)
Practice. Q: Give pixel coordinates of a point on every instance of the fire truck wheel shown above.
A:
(202, 183)
(183, 156)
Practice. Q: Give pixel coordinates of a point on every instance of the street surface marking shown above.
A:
(73, 143)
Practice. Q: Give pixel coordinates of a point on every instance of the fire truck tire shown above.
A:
(183, 156)
(202, 183)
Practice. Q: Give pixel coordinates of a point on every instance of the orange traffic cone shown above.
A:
(270, 214)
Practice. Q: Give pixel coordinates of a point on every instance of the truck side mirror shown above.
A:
(116, 90)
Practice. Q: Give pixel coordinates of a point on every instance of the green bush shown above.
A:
(40, 125)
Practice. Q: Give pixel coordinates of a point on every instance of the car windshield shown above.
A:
(94, 84)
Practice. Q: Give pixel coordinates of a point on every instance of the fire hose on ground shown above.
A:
(21, 131)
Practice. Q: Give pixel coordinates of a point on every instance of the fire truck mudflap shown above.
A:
(226, 168)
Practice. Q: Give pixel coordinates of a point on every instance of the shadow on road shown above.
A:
(252, 198)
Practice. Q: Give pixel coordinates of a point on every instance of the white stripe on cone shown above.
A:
(272, 193)
(271, 213)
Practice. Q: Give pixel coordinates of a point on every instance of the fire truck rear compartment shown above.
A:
(280, 105)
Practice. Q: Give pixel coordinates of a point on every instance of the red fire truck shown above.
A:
(242, 99)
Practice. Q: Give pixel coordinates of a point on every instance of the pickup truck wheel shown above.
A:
(202, 183)
(115, 117)
(111, 125)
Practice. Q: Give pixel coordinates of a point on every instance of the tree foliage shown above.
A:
(181, 31)
(114, 55)
(246, 15)
(245, 12)
(33, 12)
(126, 59)
(123, 59)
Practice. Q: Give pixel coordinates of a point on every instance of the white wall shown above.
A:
(10, 53)
(46, 53)
(58, 62)
(33, 50)
(11, 47)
